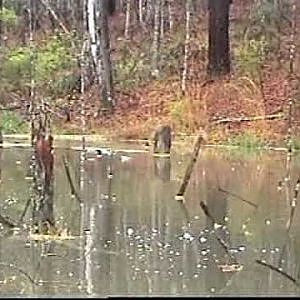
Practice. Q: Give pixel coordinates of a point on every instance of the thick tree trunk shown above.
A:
(107, 77)
(219, 46)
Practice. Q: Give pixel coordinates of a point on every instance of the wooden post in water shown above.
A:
(1, 138)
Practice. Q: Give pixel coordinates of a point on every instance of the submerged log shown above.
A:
(162, 140)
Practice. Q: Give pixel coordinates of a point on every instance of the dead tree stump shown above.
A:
(162, 140)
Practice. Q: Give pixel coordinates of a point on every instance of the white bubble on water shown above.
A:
(202, 239)
(268, 222)
(130, 231)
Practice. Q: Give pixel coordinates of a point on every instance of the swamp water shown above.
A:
(132, 238)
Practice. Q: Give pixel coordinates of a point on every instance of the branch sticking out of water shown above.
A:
(72, 187)
(25, 210)
(238, 197)
(278, 271)
(293, 206)
(201, 138)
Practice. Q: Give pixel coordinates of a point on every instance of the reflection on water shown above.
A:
(133, 238)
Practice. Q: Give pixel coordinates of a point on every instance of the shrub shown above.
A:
(11, 122)
(51, 62)
(247, 140)
(8, 17)
(250, 57)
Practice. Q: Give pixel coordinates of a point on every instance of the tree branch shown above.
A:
(250, 119)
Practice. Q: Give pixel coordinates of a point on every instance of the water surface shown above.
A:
(133, 238)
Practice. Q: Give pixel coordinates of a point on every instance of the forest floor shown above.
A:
(139, 113)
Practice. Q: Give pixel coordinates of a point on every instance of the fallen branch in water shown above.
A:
(278, 271)
(250, 119)
(222, 243)
(201, 138)
(238, 197)
(6, 222)
(72, 187)
(19, 270)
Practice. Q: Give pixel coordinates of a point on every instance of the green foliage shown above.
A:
(247, 140)
(55, 56)
(16, 67)
(129, 72)
(266, 20)
(296, 143)
(52, 61)
(250, 56)
(179, 110)
(11, 122)
(8, 17)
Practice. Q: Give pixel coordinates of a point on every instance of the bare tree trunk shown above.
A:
(155, 46)
(1, 24)
(93, 38)
(149, 10)
(107, 77)
(162, 16)
(32, 81)
(186, 46)
(127, 20)
(141, 11)
(171, 15)
(219, 47)
(54, 15)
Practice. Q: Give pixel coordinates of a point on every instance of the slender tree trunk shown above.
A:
(1, 23)
(162, 16)
(107, 77)
(155, 46)
(127, 20)
(186, 45)
(149, 10)
(141, 11)
(171, 14)
(32, 81)
(93, 38)
(219, 47)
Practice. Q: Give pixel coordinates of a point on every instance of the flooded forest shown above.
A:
(149, 148)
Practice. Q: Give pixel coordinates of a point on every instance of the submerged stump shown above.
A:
(162, 141)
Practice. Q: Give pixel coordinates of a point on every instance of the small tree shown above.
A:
(218, 38)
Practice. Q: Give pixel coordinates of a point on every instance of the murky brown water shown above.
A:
(132, 237)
